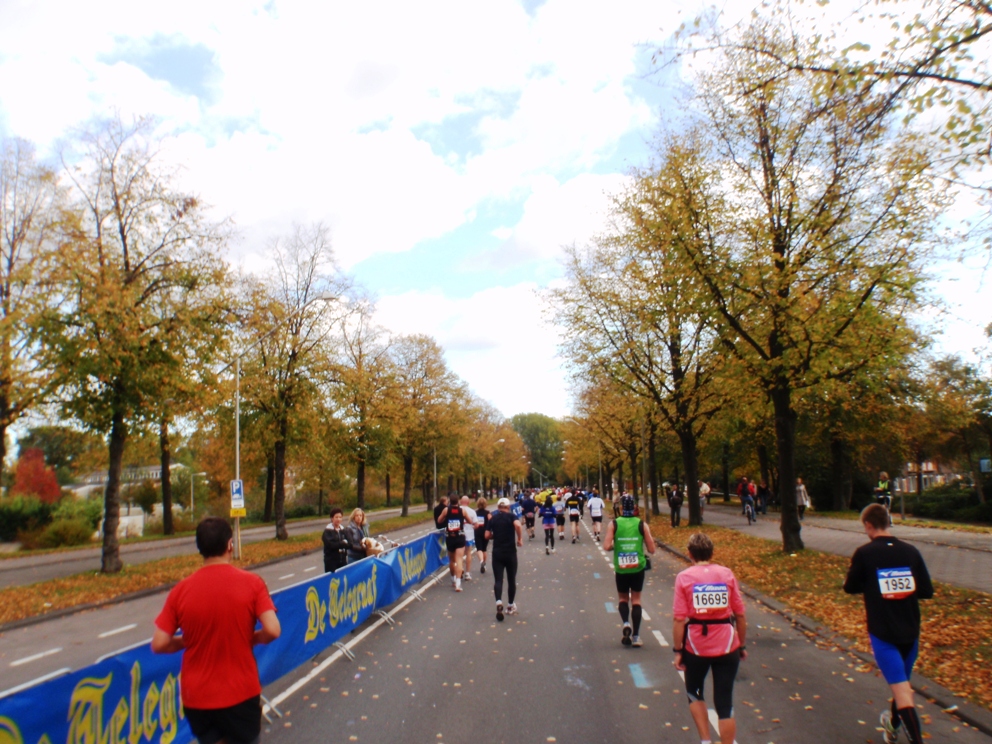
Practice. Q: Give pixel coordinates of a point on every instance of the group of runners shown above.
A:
(709, 622)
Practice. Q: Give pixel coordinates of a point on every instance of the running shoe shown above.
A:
(573, 541)
(512, 609)
(552, 550)
(482, 568)
(467, 576)
(458, 586)
(890, 734)
(547, 550)
(499, 611)
(627, 630)
(636, 641)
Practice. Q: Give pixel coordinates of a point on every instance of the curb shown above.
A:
(973, 715)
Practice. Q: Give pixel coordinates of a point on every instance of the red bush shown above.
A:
(31, 477)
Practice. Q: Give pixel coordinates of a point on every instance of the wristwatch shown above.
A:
(676, 650)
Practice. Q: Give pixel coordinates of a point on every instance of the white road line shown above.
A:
(660, 637)
(714, 721)
(645, 615)
(35, 657)
(115, 631)
(287, 576)
(307, 570)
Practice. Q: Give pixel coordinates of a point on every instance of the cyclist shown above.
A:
(893, 577)
(708, 633)
(747, 502)
(628, 537)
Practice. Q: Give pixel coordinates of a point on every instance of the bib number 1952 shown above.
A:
(896, 583)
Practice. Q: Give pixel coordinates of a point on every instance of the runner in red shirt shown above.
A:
(217, 608)
(708, 633)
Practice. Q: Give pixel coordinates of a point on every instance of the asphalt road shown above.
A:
(32, 569)
(448, 672)
(76, 640)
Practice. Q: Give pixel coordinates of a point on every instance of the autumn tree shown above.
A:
(33, 478)
(542, 436)
(30, 202)
(829, 216)
(136, 253)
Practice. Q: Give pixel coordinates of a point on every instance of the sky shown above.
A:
(451, 148)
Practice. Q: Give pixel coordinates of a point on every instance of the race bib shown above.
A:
(895, 583)
(454, 525)
(628, 560)
(706, 597)
(573, 510)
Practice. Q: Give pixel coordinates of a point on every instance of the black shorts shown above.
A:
(630, 582)
(598, 519)
(573, 517)
(560, 519)
(454, 543)
(481, 543)
(529, 520)
(239, 724)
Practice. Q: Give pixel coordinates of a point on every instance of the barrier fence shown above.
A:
(133, 695)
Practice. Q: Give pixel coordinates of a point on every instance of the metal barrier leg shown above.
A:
(271, 707)
(344, 650)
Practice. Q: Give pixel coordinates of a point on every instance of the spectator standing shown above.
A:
(357, 531)
(217, 609)
(335, 543)
(802, 497)
(675, 504)
(762, 497)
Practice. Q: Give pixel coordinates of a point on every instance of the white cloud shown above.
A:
(496, 339)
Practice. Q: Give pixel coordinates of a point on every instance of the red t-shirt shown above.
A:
(708, 592)
(217, 608)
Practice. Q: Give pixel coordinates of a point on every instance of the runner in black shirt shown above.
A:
(529, 507)
(893, 577)
(506, 535)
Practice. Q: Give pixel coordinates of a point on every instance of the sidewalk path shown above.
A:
(34, 568)
(961, 559)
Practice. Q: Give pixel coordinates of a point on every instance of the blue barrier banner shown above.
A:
(135, 693)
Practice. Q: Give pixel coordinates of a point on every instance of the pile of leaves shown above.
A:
(956, 637)
(20, 602)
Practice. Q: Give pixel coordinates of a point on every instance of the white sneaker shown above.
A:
(512, 609)
(890, 734)
(458, 585)
(635, 641)
(467, 576)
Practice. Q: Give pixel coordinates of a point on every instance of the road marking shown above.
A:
(660, 637)
(35, 657)
(595, 575)
(307, 570)
(287, 576)
(115, 631)
(645, 615)
(640, 678)
(609, 607)
(714, 721)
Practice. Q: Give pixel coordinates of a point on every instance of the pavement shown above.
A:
(962, 559)
(31, 569)
(449, 672)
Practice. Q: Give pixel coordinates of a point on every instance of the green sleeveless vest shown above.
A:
(628, 546)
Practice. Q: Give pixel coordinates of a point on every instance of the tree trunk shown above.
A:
(726, 473)
(653, 468)
(451, 484)
(919, 474)
(763, 463)
(690, 461)
(110, 561)
(841, 477)
(279, 462)
(166, 477)
(633, 473)
(270, 484)
(975, 476)
(387, 489)
(320, 494)
(360, 484)
(785, 439)
(407, 481)
(620, 483)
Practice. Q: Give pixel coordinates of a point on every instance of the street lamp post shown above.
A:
(323, 297)
(543, 476)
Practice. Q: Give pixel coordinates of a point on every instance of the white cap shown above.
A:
(503, 502)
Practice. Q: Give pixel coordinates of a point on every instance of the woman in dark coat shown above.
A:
(335, 543)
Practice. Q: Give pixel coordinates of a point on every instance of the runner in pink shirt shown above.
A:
(708, 632)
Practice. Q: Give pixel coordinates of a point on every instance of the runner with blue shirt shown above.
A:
(548, 515)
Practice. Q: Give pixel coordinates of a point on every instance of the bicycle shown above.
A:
(749, 513)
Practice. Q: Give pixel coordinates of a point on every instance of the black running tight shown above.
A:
(724, 672)
(509, 563)
(549, 536)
